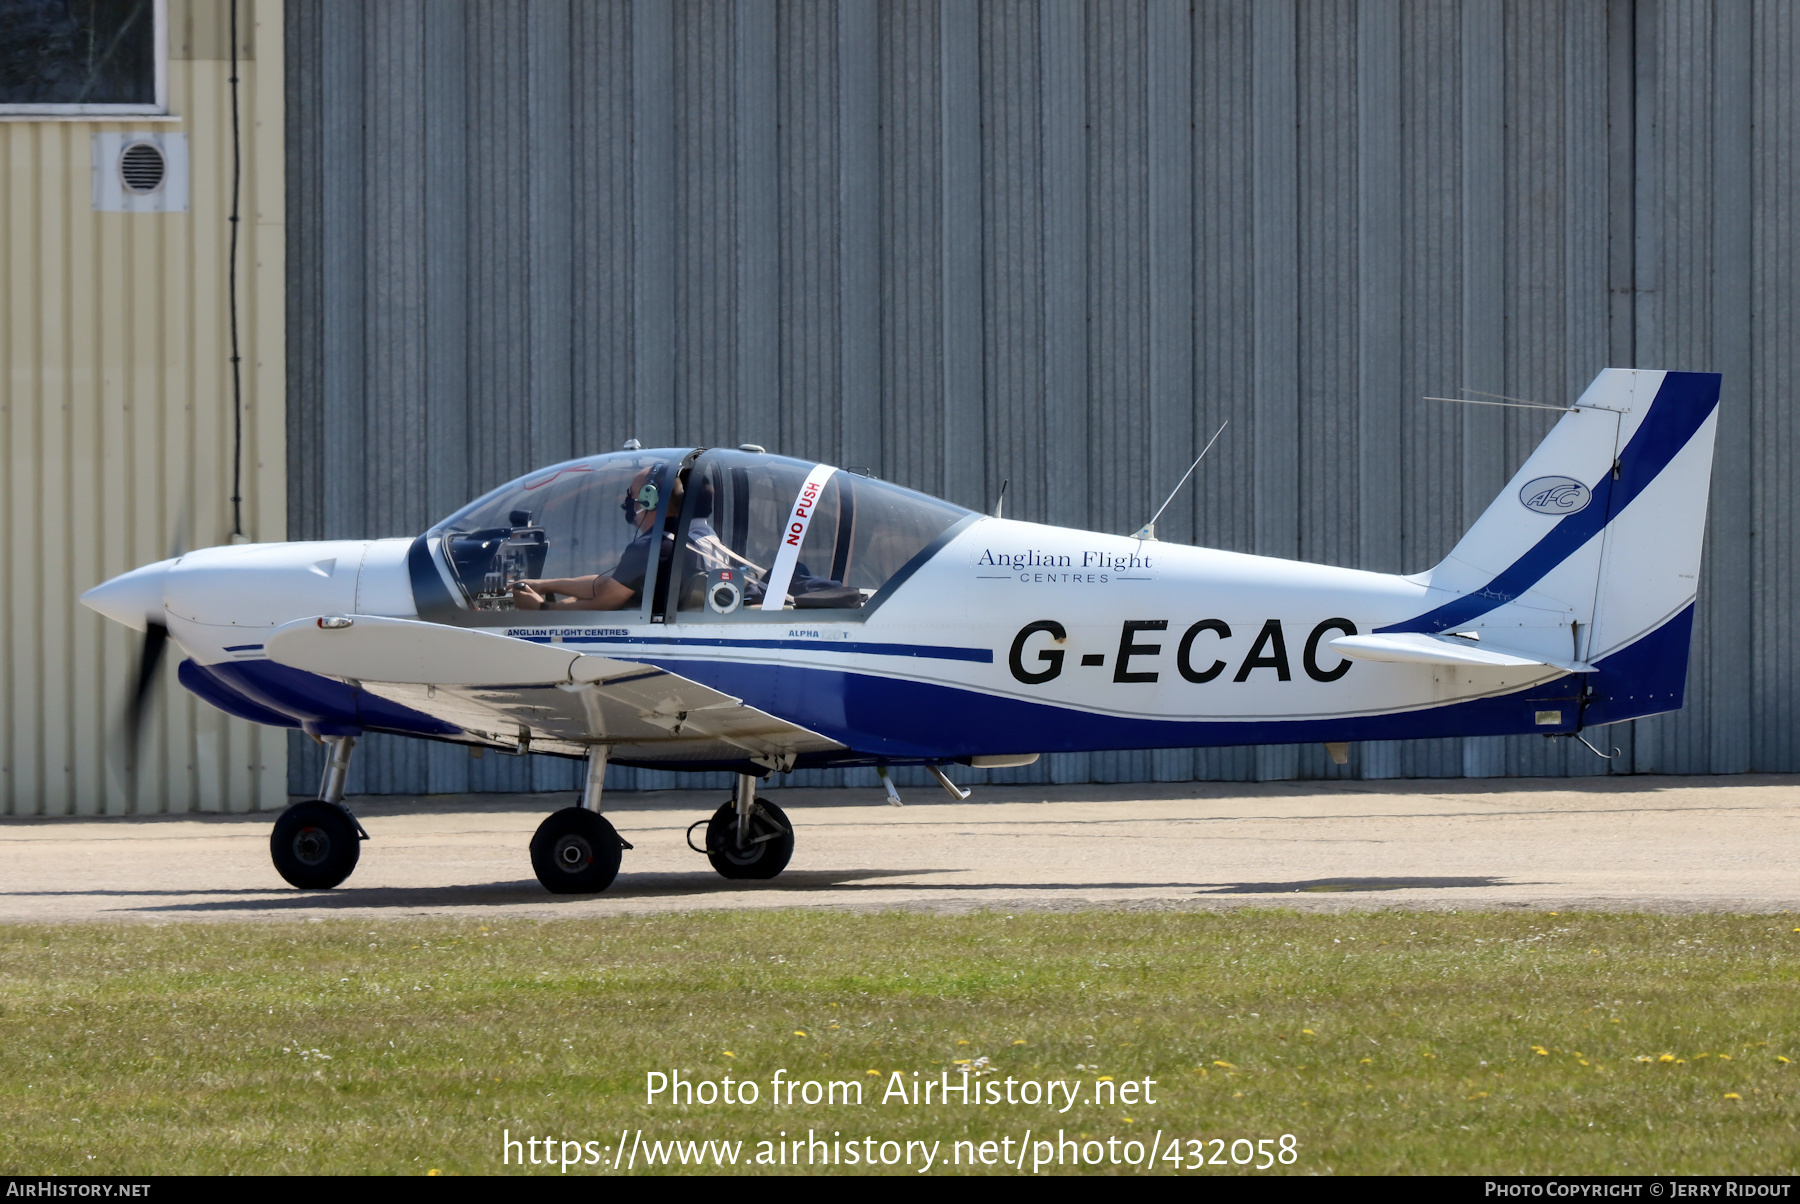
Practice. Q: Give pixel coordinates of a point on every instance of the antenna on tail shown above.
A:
(1515, 403)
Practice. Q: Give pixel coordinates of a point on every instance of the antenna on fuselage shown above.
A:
(1148, 530)
(1000, 502)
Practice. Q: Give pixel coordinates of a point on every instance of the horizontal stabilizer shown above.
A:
(1417, 648)
(406, 651)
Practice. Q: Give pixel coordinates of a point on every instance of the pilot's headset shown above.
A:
(647, 496)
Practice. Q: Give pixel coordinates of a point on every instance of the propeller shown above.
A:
(140, 703)
(137, 707)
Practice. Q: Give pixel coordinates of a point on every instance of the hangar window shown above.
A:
(765, 534)
(83, 57)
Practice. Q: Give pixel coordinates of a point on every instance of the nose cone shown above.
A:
(134, 599)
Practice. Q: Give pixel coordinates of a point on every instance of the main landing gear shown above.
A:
(747, 837)
(315, 845)
(575, 851)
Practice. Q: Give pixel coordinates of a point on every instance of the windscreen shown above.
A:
(577, 525)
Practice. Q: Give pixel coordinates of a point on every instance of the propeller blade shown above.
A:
(150, 655)
(137, 708)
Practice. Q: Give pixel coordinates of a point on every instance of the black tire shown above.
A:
(575, 852)
(315, 845)
(771, 841)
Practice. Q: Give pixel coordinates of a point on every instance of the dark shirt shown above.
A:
(634, 562)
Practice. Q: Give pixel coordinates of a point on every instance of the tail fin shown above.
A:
(1592, 552)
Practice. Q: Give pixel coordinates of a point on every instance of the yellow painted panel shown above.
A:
(116, 419)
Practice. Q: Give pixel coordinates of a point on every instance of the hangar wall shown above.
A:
(116, 424)
(1059, 243)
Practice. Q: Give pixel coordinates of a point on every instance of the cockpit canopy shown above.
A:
(741, 535)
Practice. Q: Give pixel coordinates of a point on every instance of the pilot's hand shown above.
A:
(526, 598)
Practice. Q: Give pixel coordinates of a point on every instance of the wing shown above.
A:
(516, 692)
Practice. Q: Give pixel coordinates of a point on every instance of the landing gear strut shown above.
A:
(315, 845)
(748, 837)
(575, 851)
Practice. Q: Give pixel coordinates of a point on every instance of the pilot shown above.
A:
(624, 586)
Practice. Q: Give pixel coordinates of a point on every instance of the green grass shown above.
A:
(1385, 1042)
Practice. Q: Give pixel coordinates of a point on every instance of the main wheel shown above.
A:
(575, 852)
(314, 845)
(768, 845)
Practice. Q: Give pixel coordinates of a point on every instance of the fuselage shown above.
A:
(1011, 637)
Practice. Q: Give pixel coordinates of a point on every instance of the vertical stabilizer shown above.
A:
(1593, 549)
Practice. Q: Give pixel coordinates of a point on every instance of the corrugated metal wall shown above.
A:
(116, 420)
(1060, 242)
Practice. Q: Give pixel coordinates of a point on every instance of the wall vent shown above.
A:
(140, 172)
(142, 169)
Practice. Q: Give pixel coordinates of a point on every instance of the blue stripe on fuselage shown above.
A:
(888, 717)
(1681, 406)
(980, 656)
(319, 705)
(207, 685)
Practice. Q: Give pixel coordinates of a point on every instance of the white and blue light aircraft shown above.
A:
(713, 609)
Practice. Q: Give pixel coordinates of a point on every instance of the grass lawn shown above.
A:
(1382, 1041)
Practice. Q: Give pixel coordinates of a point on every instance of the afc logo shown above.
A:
(1555, 496)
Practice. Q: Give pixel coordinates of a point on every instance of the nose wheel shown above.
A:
(315, 845)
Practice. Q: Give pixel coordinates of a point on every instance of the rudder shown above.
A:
(1650, 561)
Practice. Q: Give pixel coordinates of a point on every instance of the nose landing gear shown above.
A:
(315, 845)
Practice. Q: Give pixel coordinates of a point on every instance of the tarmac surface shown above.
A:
(1663, 844)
